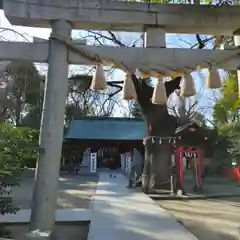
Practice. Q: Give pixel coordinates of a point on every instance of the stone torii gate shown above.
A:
(64, 15)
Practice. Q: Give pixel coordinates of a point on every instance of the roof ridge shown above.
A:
(108, 118)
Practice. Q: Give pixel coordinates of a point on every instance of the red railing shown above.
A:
(232, 173)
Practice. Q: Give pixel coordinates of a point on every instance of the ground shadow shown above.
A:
(207, 219)
(74, 191)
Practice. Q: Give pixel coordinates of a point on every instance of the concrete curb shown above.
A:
(191, 197)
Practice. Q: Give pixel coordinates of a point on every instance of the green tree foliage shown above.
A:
(207, 2)
(17, 144)
(27, 80)
(226, 115)
(226, 108)
(25, 92)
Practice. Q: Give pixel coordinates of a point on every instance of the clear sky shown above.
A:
(173, 40)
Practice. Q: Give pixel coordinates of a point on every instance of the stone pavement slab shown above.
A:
(119, 213)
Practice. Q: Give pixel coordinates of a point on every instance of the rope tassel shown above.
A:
(188, 87)
(159, 93)
(214, 80)
(129, 92)
(99, 81)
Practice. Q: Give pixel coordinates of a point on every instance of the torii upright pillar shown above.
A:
(51, 131)
(237, 44)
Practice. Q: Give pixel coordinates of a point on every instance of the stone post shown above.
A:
(237, 43)
(146, 168)
(155, 37)
(51, 132)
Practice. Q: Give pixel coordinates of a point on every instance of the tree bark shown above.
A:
(160, 125)
(3, 112)
(18, 112)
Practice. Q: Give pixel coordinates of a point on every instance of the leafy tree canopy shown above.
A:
(226, 115)
(226, 108)
(17, 145)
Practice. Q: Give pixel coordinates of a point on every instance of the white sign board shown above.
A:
(93, 162)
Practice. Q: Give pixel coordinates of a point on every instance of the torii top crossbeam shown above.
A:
(128, 16)
(125, 16)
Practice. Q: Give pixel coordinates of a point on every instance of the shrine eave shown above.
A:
(106, 129)
(125, 16)
(193, 130)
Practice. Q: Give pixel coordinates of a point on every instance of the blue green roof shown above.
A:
(107, 129)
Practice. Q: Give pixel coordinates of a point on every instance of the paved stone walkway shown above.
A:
(120, 213)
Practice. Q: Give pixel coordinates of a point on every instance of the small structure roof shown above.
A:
(193, 134)
(107, 129)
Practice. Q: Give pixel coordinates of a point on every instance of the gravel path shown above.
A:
(210, 219)
(217, 219)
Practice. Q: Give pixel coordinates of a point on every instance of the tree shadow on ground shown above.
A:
(83, 187)
(205, 233)
(206, 221)
(133, 221)
(67, 200)
(120, 213)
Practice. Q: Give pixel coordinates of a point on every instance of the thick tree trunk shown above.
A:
(160, 166)
(18, 111)
(161, 126)
(3, 112)
(157, 166)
